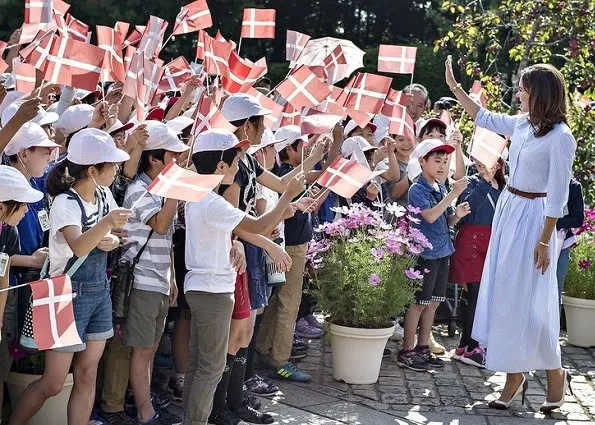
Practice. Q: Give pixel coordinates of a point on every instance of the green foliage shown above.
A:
(580, 280)
(494, 41)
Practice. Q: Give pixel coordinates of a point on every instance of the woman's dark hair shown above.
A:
(431, 127)
(11, 208)
(283, 155)
(65, 174)
(143, 164)
(547, 97)
(253, 120)
(206, 162)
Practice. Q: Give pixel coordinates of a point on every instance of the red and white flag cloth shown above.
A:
(487, 147)
(294, 46)
(135, 36)
(175, 182)
(258, 23)
(303, 88)
(317, 122)
(270, 120)
(216, 54)
(129, 53)
(346, 176)
(73, 63)
(25, 76)
(53, 314)
(38, 11)
(61, 7)
(394, 97)
(193, 17)
(478, 95)
(396, 59)
(400, 123)
(121, 29)
(332, 63)
(175, 75)
(77, 29)
(368, 93)
(152, 39)
(288, 116)
(142, 82)
(219, 37)
(111, 41)
(241, 74)
(38, 50)
(3, 65)
(208, 117)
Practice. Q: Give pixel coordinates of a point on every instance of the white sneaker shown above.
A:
(398, 333)
(435, 347)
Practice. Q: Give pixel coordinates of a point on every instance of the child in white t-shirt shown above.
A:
(211, 278)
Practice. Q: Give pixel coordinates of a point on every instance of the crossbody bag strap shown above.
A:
(492, 201)
(140, 251)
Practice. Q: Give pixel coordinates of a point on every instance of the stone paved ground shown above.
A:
(455, 395)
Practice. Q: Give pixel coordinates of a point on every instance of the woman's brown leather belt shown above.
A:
(528, 195)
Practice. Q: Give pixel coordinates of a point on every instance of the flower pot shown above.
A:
(54, 410)
(580, 316)
(357, 353)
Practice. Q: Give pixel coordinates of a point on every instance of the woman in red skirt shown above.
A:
(471, 246)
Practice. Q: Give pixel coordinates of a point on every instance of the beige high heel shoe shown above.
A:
(503, 405)
(549, 406)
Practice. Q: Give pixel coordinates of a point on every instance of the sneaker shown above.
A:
(457, 354)
(386, 353)
(313, 321)
(430, 358)
(224, 417)
(477, 358)
(117, 418)
(162, 418)
(161, 400)
(412, 361)
(305, 330)
(299, 343)
(175, 387)
(250, 400)
(297, 355)
(398, 333)
(261, 387)
(290, 372)
(253, 416)
(435, 347)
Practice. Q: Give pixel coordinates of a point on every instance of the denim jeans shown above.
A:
(563, 261)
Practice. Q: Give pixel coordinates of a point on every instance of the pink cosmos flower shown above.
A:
(413, 274)
(374, 279)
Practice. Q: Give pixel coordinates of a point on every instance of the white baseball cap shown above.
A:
(15, 187)
(163, 137)
(382, 124)
(286, 135)
(92, 146)
(8, 80)
(241, 106)
(29, 135)
(75, 118)
(268, 138)
(352, 125)
(80, 94)
(424, 123)
(42, 117)
(217, 140)
(11, 96)
(431, 145)
(118, 126)
(179, 124)
(352, 143)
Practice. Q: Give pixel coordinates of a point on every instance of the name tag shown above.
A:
(4, 259)
(44, 220)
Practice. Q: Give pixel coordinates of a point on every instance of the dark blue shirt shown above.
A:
(482, 206)
(424, 196)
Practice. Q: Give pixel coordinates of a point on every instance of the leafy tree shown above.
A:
(495, 41)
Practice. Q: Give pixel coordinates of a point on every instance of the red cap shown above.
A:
(156, 114)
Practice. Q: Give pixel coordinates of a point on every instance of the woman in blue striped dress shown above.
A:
(517, 314)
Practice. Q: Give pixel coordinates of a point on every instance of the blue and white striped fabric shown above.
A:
(517, 314)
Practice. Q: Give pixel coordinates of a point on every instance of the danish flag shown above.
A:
(142, 82)
(345, 177)
(128, 55)
(61, 7)
(175, 182)
(396, 59)
(487, 147)
(241, 74)
(294, 46)
(332, 62)
(77, 29)
(152, 39)
(135, 37)
(121, 29)
(288, 116)
(216, 54)
(303, 88)
(270, 120)
(258, 23)
(317, 122)
(477, 94)
(53, 314)
(25, 76)
(394, 97)
(38, 11)
(193, 17)
(368, 93)
(73, 63)
(175, 74)
(111, 41)
(208, 117)
(400, 123)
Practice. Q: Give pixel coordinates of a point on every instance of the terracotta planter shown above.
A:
(54, 410)
(357, 353)
(580, 316)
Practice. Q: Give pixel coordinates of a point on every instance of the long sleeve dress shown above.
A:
(517, 314)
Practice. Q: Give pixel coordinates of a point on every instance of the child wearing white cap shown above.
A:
(15, 194)
(82, 217)
(211, 280)
(150, 231)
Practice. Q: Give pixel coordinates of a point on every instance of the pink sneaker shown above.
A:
(476, 358)
(458, 354)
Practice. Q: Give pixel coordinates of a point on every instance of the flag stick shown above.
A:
(239, 46)
(15, 287)
(139, 199)
(167, 40)
(319, 197)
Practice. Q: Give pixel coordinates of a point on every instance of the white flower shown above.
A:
(396, 209)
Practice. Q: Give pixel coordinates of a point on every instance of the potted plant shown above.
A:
(28, 367)
(579, 286)
(364, 275)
